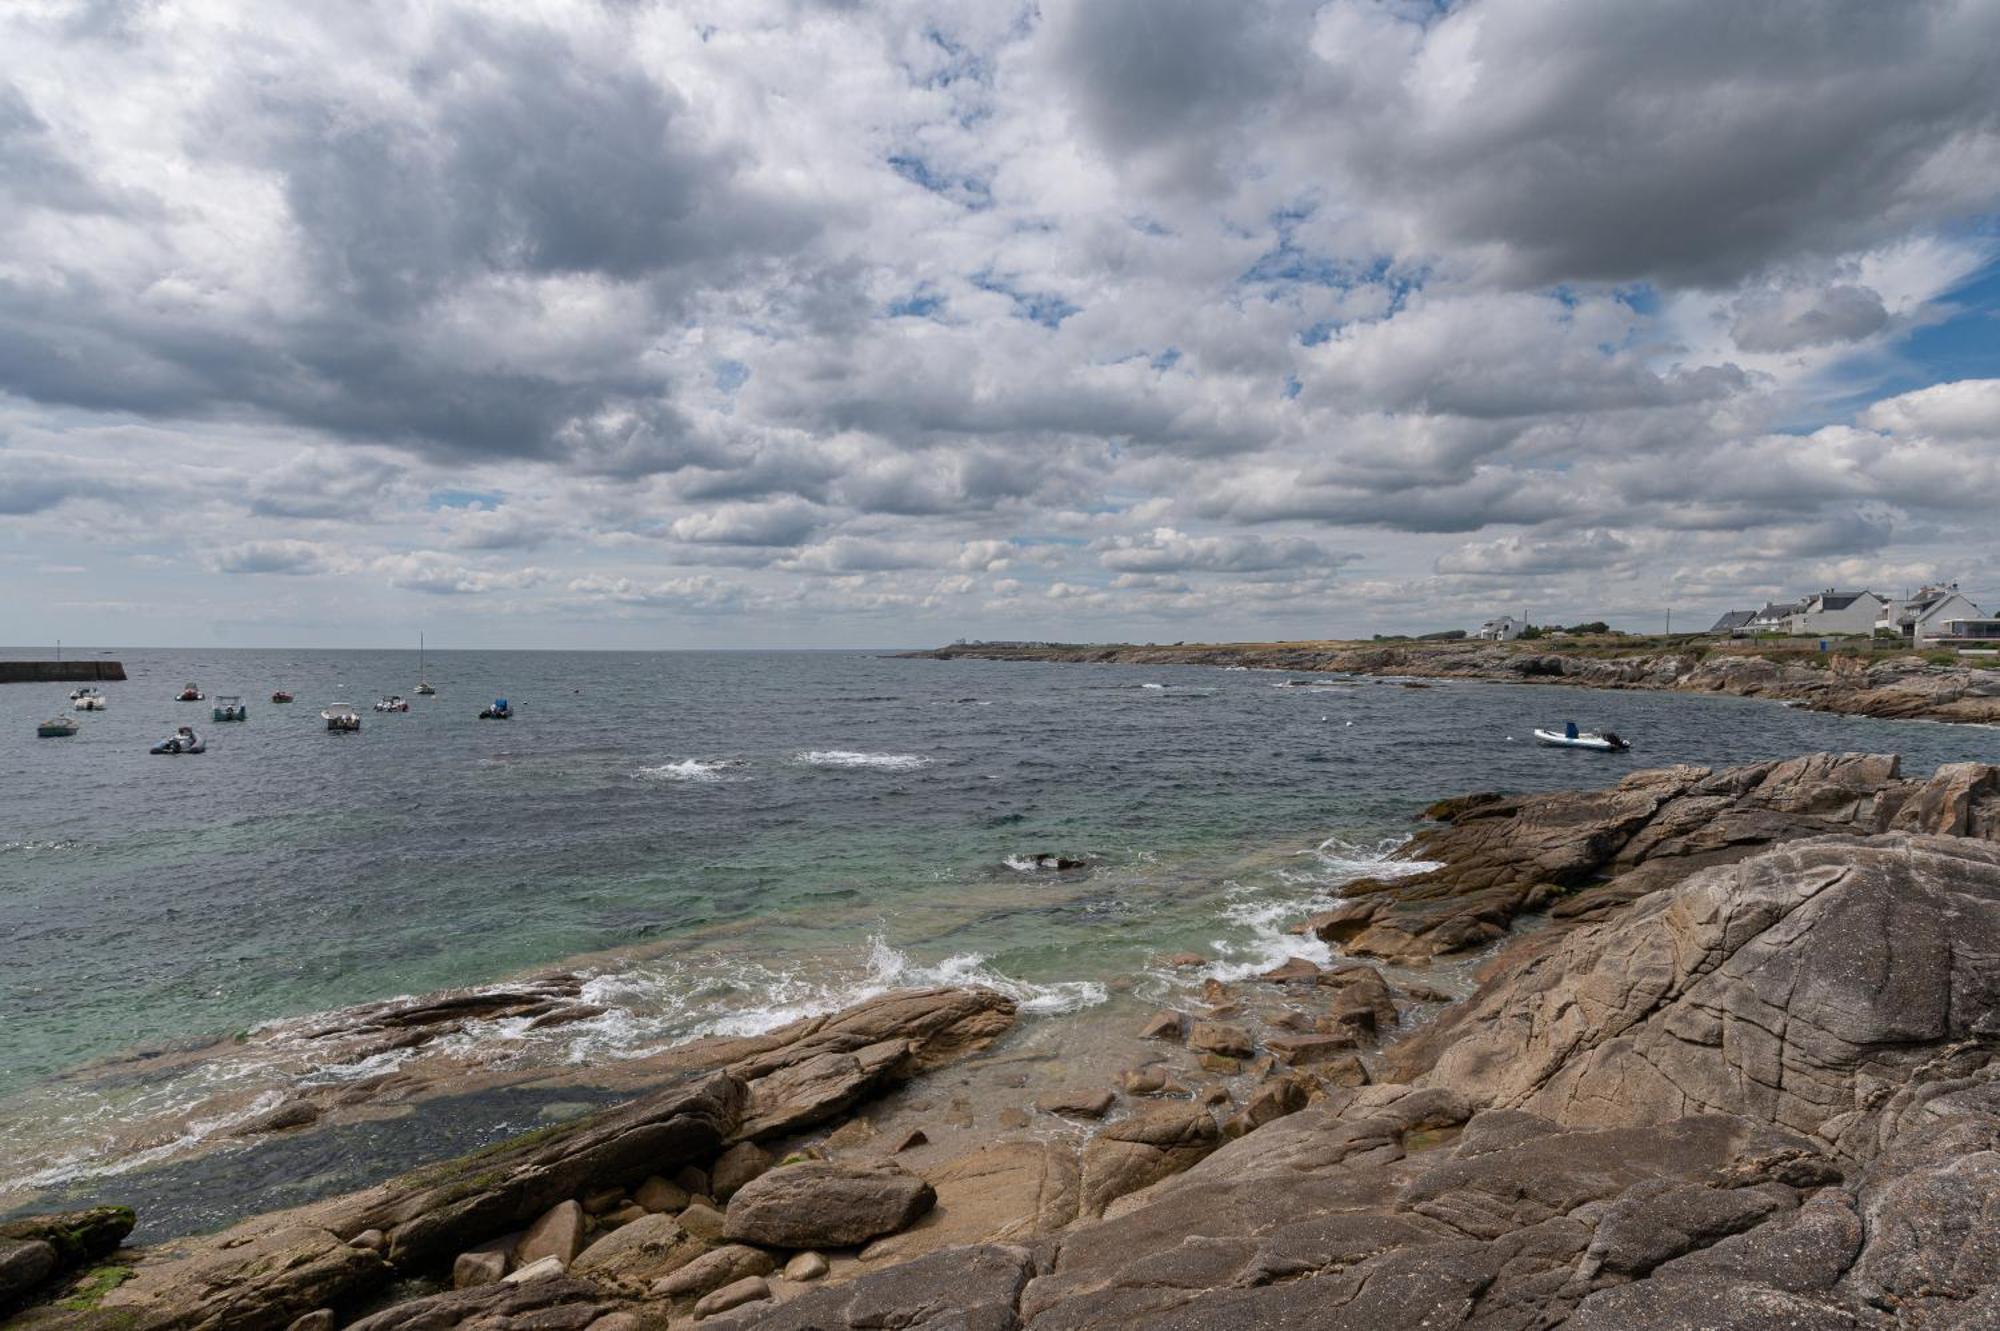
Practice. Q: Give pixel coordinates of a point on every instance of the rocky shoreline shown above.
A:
(1898, 687)
(1733, 1061)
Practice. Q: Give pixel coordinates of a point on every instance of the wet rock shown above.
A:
(76, 1237)
(320, 1319)
(657, 1194)
(1294, 970)
(1304, 1050)
(823, 1204)
(648, 1248)
(805, 1266)
(1220, 1064)
(1077, 1103)
(1184, 960)
(291, 1114)
(558, 1234)
(1143, 1081)
(1142, 1150)
(751, 1290)
(1163, 1026)
(1216, 1037)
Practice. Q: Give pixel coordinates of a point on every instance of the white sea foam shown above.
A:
(1261, 939)
(694, 769)
(1037, 863)
(1152, 686)
(886, 762)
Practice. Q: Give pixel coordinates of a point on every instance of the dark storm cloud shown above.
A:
(1686, 141)
(1782, 321)
(514, 157)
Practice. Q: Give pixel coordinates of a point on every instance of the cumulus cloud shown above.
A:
(1091, 316)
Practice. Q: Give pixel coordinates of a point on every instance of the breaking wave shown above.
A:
(693, 769)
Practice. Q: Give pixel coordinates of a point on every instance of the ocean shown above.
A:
(723, 841)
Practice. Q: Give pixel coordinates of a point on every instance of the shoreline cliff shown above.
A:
(1898, 686)
(1732, 1060)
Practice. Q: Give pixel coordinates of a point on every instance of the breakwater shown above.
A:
(59, 672)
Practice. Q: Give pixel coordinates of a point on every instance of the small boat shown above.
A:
(58, 727)
(281, 696)
(183, 740)
(229, 707)
(395, 702)
(88, 699)
(341, 717)
(1608, 742)
(190, 692)
(424, 689)
(499, 711)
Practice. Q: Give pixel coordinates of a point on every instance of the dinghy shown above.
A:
(183, 740)
(340, 718)
(1608, 742)
(229, 707)
(87, 700)
(57, 727)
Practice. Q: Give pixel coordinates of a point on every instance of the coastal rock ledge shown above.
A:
(1744, 1074)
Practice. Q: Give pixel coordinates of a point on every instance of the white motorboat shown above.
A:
(393, 703)
(1608, 742)
(340, 717)
(87, 699)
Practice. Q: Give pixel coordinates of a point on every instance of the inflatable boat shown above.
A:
(1604, 743)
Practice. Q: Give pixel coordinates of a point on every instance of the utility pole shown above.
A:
(1670, 623)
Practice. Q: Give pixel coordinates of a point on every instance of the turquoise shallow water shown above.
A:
(735, 838)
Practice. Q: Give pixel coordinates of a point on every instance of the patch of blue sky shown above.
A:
(967, 191)
(1167, 359)
(442, 499)
(962, 63)
(1292, 387)
(731, 375)
(1964, 344)
(919, 304)
(1322, 331)
(1046, 308)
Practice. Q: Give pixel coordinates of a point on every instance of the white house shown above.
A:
(1930, 615)
(1831, 613)
(1504, 629)
(1775, 617)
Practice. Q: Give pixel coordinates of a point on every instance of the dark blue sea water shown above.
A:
(732, 838)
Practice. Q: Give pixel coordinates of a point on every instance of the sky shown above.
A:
(606, 323)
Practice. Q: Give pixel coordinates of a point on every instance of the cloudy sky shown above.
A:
(782, 322)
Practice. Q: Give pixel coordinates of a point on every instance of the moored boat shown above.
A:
(1571, 738)
(190, 692)
(57, 727)
(340, 717)
(87, 699)
(229, 707)
(395, 702)
(424, 689)
(499, 711)
(281, 696)
(183, 740)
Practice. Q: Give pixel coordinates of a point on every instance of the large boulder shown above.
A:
(826, 1204)
(36, 1249)
(1802, 987)
(640, 1252)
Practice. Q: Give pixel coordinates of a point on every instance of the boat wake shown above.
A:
(885, 762)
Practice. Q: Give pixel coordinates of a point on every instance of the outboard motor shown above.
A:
(1611, 738)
